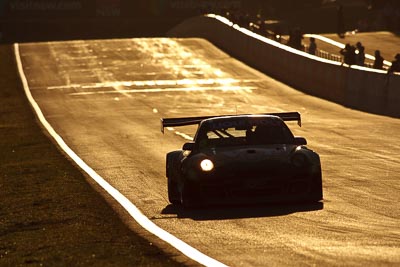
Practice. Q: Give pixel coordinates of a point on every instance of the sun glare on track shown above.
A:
(247, 89)
(150, 83)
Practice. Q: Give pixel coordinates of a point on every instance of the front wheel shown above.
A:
(173, 192)
(189, 196)
(172, 172)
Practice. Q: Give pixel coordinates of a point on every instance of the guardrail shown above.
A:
(357, 87)
(256, 28)
(326, 55)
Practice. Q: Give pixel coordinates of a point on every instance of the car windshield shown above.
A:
(244, 132)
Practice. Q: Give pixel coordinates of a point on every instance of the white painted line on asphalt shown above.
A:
(326, 40)
(164, 90)
(136, 214)
(184, 136)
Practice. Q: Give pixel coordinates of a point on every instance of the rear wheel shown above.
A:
(317, 194)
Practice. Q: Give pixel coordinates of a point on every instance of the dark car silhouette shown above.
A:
(242, 159)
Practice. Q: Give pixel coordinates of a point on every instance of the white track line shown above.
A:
(136, 214)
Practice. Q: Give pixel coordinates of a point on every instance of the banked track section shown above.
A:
(136, 214)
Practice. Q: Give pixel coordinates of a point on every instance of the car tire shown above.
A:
(188, 195)
(172, 173)
(173, 192)
(317, 192)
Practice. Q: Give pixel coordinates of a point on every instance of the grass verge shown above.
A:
(49, 214)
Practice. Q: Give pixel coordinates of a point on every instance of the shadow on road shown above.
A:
(237, 212)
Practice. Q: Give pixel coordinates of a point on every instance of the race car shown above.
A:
(242, 159)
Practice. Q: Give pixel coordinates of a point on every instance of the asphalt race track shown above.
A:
(106, 97)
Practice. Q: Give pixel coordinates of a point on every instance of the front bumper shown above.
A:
(254, 188)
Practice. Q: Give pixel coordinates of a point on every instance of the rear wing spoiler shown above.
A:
(175, 122)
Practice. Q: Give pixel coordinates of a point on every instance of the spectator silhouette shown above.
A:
(340, 22)
(263, 29)
(312, 49)
(278, 33)
(395, 64)
(244, 20)
(349, 53)
(360, 56)
(295, 37)
(378, 63)
(290, 40)
(352, 55)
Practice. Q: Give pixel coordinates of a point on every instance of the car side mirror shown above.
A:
(300, 141)
(188, 146)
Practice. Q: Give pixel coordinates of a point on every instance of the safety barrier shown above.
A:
(357, 87)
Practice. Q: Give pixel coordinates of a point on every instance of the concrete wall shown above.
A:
(356, 87)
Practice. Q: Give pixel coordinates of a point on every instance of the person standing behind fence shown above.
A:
(349, 53)
(312, 49)
(295, 37)
(360, 56)
(345, 53)
(378, 62)
(340, 22)
(395, 64)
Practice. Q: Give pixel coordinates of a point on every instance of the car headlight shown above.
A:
(206, 165)
(299, 160)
